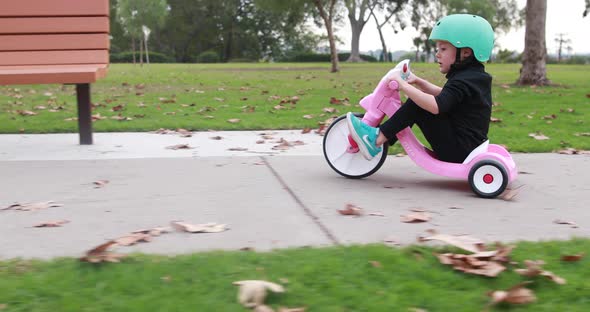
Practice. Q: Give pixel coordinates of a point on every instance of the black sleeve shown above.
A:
(452, 93)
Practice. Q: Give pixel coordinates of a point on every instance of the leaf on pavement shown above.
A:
(253, 292)
(416, 217)
(517, 294)
(199, 228)
(100, 183)
(179, 146)
(157, 231)
(32, 206)
(133, 238)
(56, 223)
(573, 224)
(510, 193)
(351, 210)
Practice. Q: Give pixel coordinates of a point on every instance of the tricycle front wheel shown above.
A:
(345, 163)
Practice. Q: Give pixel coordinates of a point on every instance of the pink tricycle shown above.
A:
(488, 168)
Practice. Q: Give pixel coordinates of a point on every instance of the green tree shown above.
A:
(134, 14)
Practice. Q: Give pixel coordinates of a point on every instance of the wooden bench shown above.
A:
(56, 42)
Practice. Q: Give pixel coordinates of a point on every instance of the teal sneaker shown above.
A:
(364, 135)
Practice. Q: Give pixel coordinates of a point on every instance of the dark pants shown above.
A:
(437, 130)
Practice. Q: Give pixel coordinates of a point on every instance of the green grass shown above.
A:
(321, 279)
(206, 96)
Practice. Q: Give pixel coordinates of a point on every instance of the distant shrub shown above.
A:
(242, 60)
(127, 57)
(208, 57)
(316, 57)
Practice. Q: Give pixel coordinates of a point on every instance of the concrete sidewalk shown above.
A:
(269, 198)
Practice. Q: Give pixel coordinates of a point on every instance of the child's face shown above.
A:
(445, 55)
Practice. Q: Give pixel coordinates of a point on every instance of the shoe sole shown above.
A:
(363, 149)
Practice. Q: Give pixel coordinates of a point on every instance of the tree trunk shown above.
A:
(141, 52)
(356, 26)
(133, 49)
(327, 17)
(533, 71)
(147, 56)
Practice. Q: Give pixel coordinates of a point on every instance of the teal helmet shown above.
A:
(466, 31)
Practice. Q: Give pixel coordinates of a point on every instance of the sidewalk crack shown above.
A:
(299, 202)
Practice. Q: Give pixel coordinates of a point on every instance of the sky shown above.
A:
(563, 17)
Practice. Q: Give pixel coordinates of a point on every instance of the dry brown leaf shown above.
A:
(233, 120)
(534, 268)
(133, 238)
(32, 206)
(199, 228)
(253, 292)
(538, 136)
(237, 149)
(415, 217)
(462, 241)
(572, 258)
(375, 264)
(100, 183)
(351, 210)
(217, 138)
(517, 294)
(510, 193)
(179, 146)
(157, 231)
(262, 308)
(573, 224)
(101, 254)
(56, 223)
(282, 309)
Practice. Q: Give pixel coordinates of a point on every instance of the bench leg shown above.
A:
(84, 113)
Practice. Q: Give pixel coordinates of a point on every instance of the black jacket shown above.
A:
(466, 99)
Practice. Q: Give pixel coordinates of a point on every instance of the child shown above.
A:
(455, 118)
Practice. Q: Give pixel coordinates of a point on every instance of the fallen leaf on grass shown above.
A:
(56, 223)
(233, 120)
(461, 241)
(538, 136)
(100, 183)
(281, 309)
(262, 308)
(199, 228)
(351, 210)
(415, 217)
(253, 292)
(533, 268)
(179, 146)
(101, 254)
(471, 264)
(572, 258)
(517, 294)
(32, 206)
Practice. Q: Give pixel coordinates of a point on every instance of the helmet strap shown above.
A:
(458, 56)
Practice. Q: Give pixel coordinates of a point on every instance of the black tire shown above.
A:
(483, 178)
(374, 165)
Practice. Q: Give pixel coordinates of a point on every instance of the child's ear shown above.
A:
(466, 52)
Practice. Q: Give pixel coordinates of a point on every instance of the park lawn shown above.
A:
(342, 278)
(205, 96)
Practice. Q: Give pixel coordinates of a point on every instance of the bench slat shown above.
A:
(53, 25)
(52, 74)
(54, 42)
(54, 7)
(54, 57)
